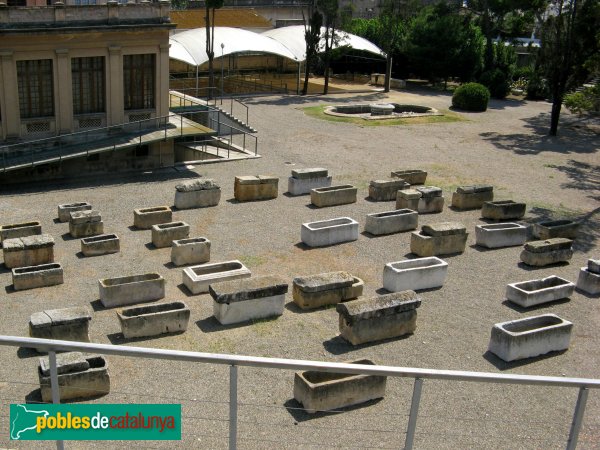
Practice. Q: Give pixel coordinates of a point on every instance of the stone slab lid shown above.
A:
(443, 229)
(247, 289)
(594, 265)
(315, 172)
(381, 305)
(410, 194)
(474, 189)
(396, 173)
(28, 242)
(88, 216)
(324, 281)
(548, 245)
(397, 183)
(65, 363)
(256, 179)
(197, 184)
(429, 191)
(61, 316)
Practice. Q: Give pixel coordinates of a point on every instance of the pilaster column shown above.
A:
(11, 115)
(114, 86)
(64, 101)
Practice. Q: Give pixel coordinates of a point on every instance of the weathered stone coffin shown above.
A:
(503, 210)
(389, 222)
(415, 274)
(17, 230)
(472, 197)
(324, 391)
(439, 239)
(415, 176)
(144, 218)
(386, 190)
(122, 291)
(544, 253)
(500, 235)
(66, 324)
(164, 234)
(589, 278)
(329, 232)
(153, 320)
(198, 193)
(529, 337)
(341, 194)
(329, 288)
(555, 229)
(258, 187)
(28, 251)
(377, 318)
(100, 245)
(303, 181)
(85, 223)
(65, 210)
(535, 292)
(33, 277)
(79, 377)
(408, 199)
(423, 199)
(198, 278)
(248, 299)
(190, 251)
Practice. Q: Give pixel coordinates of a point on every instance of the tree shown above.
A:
(211, 6)
(312, 37)
(392, 32)
(329, 10)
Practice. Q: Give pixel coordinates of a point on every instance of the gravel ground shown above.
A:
(507, 147)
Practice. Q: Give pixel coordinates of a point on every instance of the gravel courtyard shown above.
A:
(507, 146)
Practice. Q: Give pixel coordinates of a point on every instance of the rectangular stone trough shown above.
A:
(341, 194)
(248, 299)
(144, 218)
(439, 239)
(323, 289)
(100, 245)
(472, 197)
(303, 181)
(66, 324)
(386, 190)
(198, 278)
(65, 210)
(132, 289)
(589, 278)
(324, 391)
(423, 199)
(415, 274)
(530, 337)
(255, 187)
(17, 230)
(79, 376)
(198, 193)
(535, 292)
(85, 223)
(503, 210)
(555, 229)
(153, 320)
(389, 222)
(378, 318)
(28, 251)
(411, 176)
(190, 251)
(550, 251)
(164, 234)
(33, 277)
(329, 232)
(500, 235)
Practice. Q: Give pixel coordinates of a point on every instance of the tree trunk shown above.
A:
(556, 107)
(388, 72)
(306, 73)
(209, 53)
(329, 34)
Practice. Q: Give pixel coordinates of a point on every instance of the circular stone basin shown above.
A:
(382, 109)
(378, 111)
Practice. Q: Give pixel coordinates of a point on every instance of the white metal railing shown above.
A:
(233, 361)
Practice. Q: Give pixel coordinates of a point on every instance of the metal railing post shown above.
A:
(233, 405)
(577, 418)
(414, 412)
(60, 445)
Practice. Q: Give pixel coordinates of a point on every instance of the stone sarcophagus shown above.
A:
(324, 391)
(153, 320)
(28, 251)
(303, 181)
(65, 210)
(472, 197)
(415, 274)
(79, 376)
(439, 239)
(549, 229)
(132, 289)
(386, 190)
(17, 230)
(535, 292)
(503, 210)
(144, 218)
(550, 251)
(389, 222)
(85, 223)
(32, 277)
(589, 278)
(103, 244)
(530, 337)
(198, 193)
(411, 176)
(65, 324)
(423, 199)
(329, 232)
(198, 278)
(378, 318)
(499, 235)
(248, 299)
(341, 194)
(323, 289)
(163, 234)
(190, 251)
(255, 187)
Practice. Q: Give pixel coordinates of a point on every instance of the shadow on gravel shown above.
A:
(35, 396)
(10, 289)
(586, 294)
(97, 305)
(304, 99)
(183, 288)
(26, 352)
(67, 237)
(300, 415)
(210, 324)
(338, 345)
(119, 339)
(546, 305)
(293, 307)
(503, 365)
(528, 268)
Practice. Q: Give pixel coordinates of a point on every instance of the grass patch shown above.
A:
(222, 345)
(263, 327)
(252, 260)
(448, 116)
(556, 212)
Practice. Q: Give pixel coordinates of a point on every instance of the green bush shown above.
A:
(537, 88)
(496, 82)
(525, 72)
(471, 97)
(588, 100)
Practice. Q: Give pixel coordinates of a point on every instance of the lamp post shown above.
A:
(222, 49)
